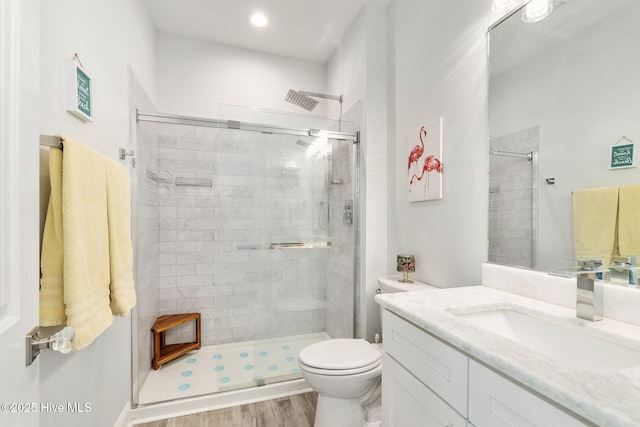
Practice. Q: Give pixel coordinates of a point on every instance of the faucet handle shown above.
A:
(584, 266)
(625, 261)
(626, 265)
(589, 264)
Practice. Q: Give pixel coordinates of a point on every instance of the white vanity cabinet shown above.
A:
(494, 401)
(407, 402)
(426, 382)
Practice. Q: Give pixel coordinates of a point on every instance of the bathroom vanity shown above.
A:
(483, 357)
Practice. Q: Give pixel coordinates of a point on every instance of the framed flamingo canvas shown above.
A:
(424, 163)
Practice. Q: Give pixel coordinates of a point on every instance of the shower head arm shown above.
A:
(321, 95)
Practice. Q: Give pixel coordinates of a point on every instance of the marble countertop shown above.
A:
(605, 398)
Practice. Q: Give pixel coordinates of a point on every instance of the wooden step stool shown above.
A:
(162, 352)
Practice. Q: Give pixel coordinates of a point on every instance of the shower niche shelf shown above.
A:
(163, 352)
(297, 245)
(193, 182)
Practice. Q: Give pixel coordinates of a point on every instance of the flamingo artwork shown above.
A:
(426, 156)
(417, 151)
(431, 163)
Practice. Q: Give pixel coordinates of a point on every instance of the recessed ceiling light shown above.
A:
(258, 19)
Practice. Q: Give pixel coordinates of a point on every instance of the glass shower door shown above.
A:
(249, 230)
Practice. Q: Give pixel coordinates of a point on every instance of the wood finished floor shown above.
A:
(293, 411)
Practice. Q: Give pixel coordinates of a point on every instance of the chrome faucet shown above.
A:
(589, 291)
(626, 268)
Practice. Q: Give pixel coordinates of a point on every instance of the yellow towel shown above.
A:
(51, 259)
(123, 295)
(628, 221)
(595, 213)
(86, 242)
(87, 256)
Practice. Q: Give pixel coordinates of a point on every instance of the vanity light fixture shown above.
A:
(258, 19)
(537, 10)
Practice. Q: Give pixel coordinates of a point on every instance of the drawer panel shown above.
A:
(495, 401)
(439, 366)
(407, 402)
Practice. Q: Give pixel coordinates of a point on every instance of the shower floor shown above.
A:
(226, 367)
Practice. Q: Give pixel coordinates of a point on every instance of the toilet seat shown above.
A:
(338, 372)
(340, 356)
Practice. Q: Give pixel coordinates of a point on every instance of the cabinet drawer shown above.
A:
(495, 401)
(439, 366)
(406, 402)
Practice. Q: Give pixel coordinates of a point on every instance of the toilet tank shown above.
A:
(392, 284)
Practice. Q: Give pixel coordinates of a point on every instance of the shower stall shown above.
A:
(254, 226)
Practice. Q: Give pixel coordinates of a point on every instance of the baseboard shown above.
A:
(193, 405)
(124, 420)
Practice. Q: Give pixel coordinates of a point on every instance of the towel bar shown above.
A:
(59, 338)
(50, 141)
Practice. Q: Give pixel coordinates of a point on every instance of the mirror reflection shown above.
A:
(563, 100)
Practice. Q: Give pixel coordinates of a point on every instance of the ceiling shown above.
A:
(304, 29)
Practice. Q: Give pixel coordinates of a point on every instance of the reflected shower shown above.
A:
(496, 152)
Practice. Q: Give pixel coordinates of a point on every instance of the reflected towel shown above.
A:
(628, 221)
(123, 295)
(595, 214)
(51, 259)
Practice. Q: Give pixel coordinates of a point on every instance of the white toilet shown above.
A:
(346, 373)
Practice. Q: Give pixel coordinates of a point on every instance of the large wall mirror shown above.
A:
(562, 92)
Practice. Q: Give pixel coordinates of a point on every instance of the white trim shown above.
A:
(10, 85)
(124, 420)
(181, 407)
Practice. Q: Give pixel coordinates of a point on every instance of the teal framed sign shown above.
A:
(79, 91)
(622, 156)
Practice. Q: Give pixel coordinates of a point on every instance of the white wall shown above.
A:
(574, 95)
(109, 37)
(195, 76)
(438, 69)
(358, 70)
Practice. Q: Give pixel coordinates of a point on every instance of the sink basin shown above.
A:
(564, 343)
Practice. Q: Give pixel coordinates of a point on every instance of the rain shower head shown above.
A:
(305, 99)
(301, 100)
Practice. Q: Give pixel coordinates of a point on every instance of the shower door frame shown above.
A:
(233, 124)
(157, 117)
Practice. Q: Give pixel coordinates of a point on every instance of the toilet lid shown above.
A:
(339, 353)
